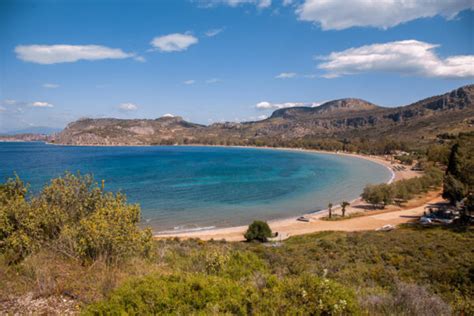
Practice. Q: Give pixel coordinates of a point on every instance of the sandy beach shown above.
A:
(368, 221)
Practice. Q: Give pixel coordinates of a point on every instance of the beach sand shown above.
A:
(369, 220)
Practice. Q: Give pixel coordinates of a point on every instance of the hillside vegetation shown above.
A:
(76, 240)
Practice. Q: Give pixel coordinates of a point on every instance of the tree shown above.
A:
(453, 162)
(330, 209)
(387, 193)
(438, 153)
(401, 193)
(259, 231)
(453, 189)
(373, 195)
(344, 205)
(459, 178)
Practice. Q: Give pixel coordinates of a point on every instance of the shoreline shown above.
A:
(228, 233)
(370, 220)
(236, 232)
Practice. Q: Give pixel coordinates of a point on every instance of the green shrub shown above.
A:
(72, 215)
(407, 299)
(204, 295)
(405, 159)
(259, 231)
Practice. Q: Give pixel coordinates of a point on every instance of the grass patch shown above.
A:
(373, 272)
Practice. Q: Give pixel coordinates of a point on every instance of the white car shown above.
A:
(425, 221)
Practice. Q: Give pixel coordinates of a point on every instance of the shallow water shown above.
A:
(191, 188)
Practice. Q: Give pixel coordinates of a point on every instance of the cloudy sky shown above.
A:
(218, 60)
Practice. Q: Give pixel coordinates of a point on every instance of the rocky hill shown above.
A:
(332, 107)
(110, 131)
(452, 112)
(28, 137)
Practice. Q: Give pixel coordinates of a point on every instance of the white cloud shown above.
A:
(286, 75)
(53, 54)
(213, 80)
(287, 2)
(257, 118)
(39, 104)
(2, 109)
(264, 3)
(213, 32)
(140, 59)
(174, 42)
(128, 107)
(189, 82)
(234, 3)
(341, 14)
(410, 57)
(50, 85)
(168, 115)
(265, 105)
(10, 102)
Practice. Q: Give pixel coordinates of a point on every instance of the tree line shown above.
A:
(451, 167)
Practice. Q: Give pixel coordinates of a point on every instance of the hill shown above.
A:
(346, 121)
(24, 138)
(40, 130)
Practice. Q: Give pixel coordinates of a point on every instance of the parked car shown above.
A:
(425, 220)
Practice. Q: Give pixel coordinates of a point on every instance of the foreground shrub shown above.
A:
(199, 294)
(73, 216)
(259, 231)
(407, 299)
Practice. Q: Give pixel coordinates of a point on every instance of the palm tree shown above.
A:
(344, 205)
(330, 209)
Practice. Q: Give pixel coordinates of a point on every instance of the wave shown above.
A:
(184, 229)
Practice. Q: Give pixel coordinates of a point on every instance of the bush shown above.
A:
(259, 231)
(405, 159)
(204, 295)
(407, 299)
(73, 216)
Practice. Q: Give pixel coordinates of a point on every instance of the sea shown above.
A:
(190, 188)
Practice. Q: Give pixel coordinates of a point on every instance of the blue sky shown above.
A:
(229, 60)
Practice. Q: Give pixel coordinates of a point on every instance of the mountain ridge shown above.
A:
(337, 119)
(339, 105)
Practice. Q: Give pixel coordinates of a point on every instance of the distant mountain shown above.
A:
(111, 131)
(34, 130)
(24, 138)
(344, 119)
(336, 106)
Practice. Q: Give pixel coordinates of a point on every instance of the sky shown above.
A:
(223, 60)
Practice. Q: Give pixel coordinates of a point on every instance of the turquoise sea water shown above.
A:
(189, 188)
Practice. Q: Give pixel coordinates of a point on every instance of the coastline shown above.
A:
(235, 233)
(286, 228)
(277, 224)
